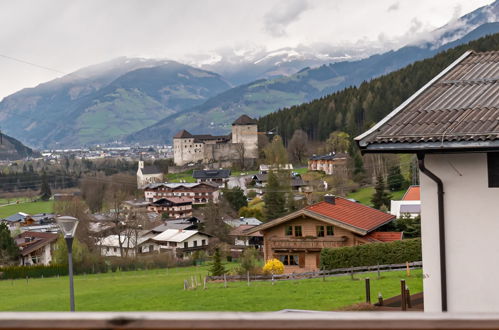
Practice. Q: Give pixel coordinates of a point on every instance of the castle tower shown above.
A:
(245, 131)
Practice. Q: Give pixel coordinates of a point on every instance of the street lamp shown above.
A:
(68, 227)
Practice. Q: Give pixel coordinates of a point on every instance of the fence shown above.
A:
(320, 273)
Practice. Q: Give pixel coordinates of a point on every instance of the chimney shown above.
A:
(331, 199)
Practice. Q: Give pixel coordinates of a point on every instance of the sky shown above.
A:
(66, 35)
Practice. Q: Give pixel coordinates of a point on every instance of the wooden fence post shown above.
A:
(204, 286)
(380, 299)
(248, 279)
(272, 279)
(225, 281)
(408, 297)
(402, 295)
(407, 269)
(368, 290)
(379, 274)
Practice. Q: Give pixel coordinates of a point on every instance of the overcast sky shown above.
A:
(67, 35)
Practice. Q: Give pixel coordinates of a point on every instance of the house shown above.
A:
(14, 221)
(451, 124)
(243, 221)
(147, 175)
(244, 239)
(265, 169)
(135, 205)
(182, 243)
(131, 243)
(410, 205)
(191, 223)
(218, 177)
(172, 207)
(330, 163)
(298, 238)
(242, 143)
(199, 193)
(36, 247)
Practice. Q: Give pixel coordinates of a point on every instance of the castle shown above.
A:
(241, 145)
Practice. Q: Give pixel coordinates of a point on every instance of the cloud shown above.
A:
(395, 6)
(283, 14)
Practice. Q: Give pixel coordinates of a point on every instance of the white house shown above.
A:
(147, 175)
(452, 125)
(182, 242)
(410, 205)
(36, 247)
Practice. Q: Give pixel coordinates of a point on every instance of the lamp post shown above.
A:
(68, 227)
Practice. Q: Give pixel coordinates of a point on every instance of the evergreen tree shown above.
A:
(380, 197)
(8, 248)
(235, 197)
(274, 198)
(217, 268)
(395, 178)
(45, 192)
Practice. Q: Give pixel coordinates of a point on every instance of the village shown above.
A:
(295, 188)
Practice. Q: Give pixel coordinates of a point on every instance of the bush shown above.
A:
(15, 272)
(249, 262)
(274, 267)
(372, 254)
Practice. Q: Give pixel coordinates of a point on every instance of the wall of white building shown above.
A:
(472, 227)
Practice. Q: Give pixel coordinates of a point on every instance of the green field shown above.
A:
(364, 195)
(30, 208)
(162, 290)
(179, 177)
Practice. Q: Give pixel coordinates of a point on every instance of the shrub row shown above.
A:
(15, 272)
(372, 254)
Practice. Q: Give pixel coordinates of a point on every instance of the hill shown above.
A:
(12, 149)
(262, 97)
(105, 102)
(357, 108)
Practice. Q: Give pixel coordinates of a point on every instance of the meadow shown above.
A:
(162, 290)
(28, 207)
(364, 195)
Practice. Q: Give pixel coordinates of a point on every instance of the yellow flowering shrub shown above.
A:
(273, 266)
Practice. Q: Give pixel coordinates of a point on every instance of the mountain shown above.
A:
(105, 102)
(265, 96)
(355, 109)
(12, 149)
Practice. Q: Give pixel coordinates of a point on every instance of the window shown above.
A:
(289, 231)
(186, 245)
(330, 230)
(289, 260)
(298, 231)
(114, 249)
(195, 243)
(493, 169)
(203, 242)
(320, 231)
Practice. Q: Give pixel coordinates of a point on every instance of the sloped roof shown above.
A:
(456, 110)
(183, 134)
(176, 235)
(151, 169)
(39, 239)
(170, 201)
(386, 236)
(241, 231)
(329, 156)
(352, 216)
(211, 174)
(245, 120)
(413, 193)
(20, 216)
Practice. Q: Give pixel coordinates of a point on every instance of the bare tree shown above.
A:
(297, 146)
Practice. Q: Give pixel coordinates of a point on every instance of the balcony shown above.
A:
(307, 243)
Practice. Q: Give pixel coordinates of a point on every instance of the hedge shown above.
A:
(14, 272)
(372, 254)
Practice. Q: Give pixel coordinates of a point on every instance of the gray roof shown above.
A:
(329, 156)
(150, 170)
(410, 208)
(458, 109)
(16, 217)
(211, 174)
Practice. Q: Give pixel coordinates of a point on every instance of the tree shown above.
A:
(217, 268)
(213, 221)
(395, 179)
(338, 141)
(60, 256)
(274, 198)
(274, 267)
(275, 153)
(45, 192)
(297, 146)
(9, 251)
(249, 261)
(235, 197)
(380, 197)
(78, 209)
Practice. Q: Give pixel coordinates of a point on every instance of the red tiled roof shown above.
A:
(412, 194)
(352, 213)
(386, 236)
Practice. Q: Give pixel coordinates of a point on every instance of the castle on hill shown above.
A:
(240, 145)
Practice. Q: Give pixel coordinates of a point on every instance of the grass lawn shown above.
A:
(30, 208)
(180, 177)
(364, 195)
(4, 201)
(159, 290)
